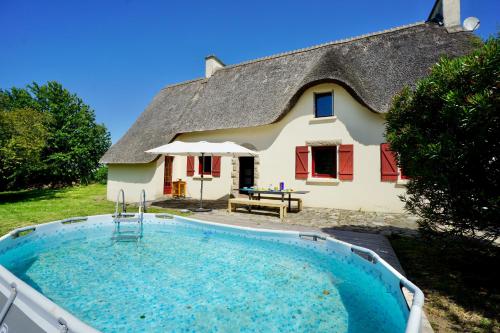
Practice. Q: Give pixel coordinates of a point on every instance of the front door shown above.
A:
(246, 172)
(167, 179)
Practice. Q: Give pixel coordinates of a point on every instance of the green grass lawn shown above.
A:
(29, 207)
(461, 285)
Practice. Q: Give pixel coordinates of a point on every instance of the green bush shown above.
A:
(23, 136)
(100, 175)
(68, 148)
(446, 133)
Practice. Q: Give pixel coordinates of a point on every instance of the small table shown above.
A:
(179, 188)
(251, 194)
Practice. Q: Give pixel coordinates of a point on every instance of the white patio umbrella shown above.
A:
(202, 148)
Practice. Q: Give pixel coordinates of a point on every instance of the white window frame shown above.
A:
(327, 118)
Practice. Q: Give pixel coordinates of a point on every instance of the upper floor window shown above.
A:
(206, 167)
(323, 105)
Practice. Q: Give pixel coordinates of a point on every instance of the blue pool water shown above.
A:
(185, 279)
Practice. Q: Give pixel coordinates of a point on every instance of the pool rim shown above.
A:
(36, 305)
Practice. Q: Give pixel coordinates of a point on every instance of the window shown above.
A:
(323, 105)
(207, 166)
(324, 162)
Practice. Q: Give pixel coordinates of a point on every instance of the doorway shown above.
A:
(167, 178)
(246, 172)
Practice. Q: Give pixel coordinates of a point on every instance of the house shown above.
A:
(314, 115)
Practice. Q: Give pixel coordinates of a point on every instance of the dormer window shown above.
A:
(323, 105)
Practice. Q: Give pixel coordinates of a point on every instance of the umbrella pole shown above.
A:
(201, 185)
(201, 209)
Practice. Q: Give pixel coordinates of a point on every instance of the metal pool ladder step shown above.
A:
(128, 227)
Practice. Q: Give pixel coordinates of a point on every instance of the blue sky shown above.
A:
(116, 55)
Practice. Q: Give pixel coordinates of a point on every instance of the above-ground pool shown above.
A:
(185, 275)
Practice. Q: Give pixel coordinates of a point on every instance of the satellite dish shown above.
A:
(471, 23)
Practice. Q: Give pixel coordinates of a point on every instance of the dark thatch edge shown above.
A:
(313, 83)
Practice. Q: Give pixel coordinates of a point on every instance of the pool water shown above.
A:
(184, 279)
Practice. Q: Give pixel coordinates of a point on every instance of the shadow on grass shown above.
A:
(462, 272)
(30, 195)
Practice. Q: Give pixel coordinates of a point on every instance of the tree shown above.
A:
(75, 142)
(446, 135)
(23, 135)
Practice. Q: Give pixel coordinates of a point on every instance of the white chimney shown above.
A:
(447, 13)
(451, 13)
(212, 64)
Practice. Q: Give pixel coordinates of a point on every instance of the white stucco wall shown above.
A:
(133, 178)
(353, 124)
(213, 187)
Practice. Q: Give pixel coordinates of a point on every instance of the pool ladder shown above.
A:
(128, 226)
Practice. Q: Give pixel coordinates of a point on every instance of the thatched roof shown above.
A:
(372, 67)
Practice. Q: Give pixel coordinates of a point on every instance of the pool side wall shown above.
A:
(33, 312)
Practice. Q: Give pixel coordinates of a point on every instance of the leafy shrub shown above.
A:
(100, 175)
(72, 144)
(23, 136)
(446, 134)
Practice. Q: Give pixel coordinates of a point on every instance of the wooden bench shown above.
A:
(298, 200)
(233, 203)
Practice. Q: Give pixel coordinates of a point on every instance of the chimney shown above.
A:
(447, 13)
(451, 13)
(212, 64)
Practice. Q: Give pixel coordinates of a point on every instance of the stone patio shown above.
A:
(318, 218)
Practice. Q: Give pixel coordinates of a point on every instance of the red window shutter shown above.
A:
(216, 166)
(301, 160)
(190, 166)
(346, 162)
(388, 166)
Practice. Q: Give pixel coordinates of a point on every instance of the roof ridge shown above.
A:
(182, 83)
(305, 49)
(339, 41)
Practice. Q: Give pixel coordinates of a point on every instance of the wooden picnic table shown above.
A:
(252, 192)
